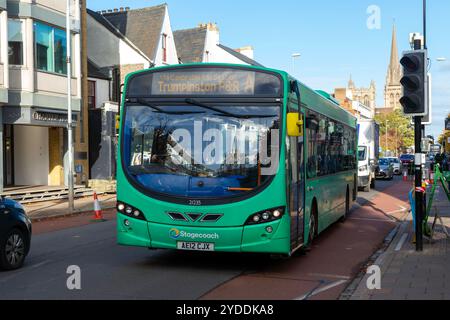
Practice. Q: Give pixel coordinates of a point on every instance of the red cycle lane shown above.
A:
(337, 256)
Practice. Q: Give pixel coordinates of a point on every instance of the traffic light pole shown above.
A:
(419, 191)
(418, 129)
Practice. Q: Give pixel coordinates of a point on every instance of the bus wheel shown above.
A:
(347, 207)
(312, 224)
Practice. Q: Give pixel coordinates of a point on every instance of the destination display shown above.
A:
(206, 82)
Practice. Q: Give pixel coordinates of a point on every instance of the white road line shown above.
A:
(24, 270)
(370, 219)
(320, 290)
(401, 242)
(324, 275)
(403, 209)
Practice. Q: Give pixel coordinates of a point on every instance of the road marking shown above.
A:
(370, 219)
(25, 269)
(324, 275)
(320, 290)
(403, 209)
(401, 242)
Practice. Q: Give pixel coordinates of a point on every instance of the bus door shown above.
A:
(297, 183)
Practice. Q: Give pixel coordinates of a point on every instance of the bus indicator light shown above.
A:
(266, 215)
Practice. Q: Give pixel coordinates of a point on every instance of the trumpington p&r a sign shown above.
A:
(203, 83)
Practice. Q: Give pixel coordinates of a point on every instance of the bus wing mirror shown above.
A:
(295, 124)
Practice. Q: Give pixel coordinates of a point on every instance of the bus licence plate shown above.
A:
(195, 246)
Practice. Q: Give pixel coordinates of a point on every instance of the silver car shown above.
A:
(397, 165)
(386, 169)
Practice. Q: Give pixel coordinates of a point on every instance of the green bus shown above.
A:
(231, 158)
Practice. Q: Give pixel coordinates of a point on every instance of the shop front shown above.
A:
(34, 146)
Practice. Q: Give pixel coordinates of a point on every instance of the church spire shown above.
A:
(351, 84)
(393, 88)
(394, 71)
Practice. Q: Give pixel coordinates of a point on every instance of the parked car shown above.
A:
(386, 169)
(397, 165)
(15, 234)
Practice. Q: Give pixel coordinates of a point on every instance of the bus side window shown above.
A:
(312, 126)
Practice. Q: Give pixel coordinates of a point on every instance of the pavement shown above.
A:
(55, 209)
(410, 275)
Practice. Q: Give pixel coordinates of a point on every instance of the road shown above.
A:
(109, 271)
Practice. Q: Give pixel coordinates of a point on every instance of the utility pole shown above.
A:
(70, 178)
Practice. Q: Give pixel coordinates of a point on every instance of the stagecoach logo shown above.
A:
(176, 234)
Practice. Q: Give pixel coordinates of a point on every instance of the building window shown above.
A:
(50, 48)
(366, 101)
(91, 95)
(164, 47)
(15, 42)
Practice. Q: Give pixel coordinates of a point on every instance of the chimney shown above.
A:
(121, 9)
(212, 26)
(116, 10)
(127, 8)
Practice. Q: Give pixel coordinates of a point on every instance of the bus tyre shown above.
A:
(312, 225)
(347, 208)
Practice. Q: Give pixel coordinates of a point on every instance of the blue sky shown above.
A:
(332, 37)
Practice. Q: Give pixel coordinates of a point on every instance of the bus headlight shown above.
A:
(130, 211)
(265, 216)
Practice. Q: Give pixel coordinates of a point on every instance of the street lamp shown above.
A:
(70, 178)
(386, 138)
(295, 56)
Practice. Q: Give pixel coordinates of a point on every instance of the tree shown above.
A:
(441, 139)
(399, 131)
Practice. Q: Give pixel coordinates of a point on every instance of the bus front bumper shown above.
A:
(255, 238)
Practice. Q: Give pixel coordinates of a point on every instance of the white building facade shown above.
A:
(33, 71)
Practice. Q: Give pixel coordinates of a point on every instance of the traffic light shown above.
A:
(414, 82)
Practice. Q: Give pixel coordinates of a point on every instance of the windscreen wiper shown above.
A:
(226, 113)
(147, 104)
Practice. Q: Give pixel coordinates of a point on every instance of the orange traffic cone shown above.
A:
(405, 175)
(98, 210)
